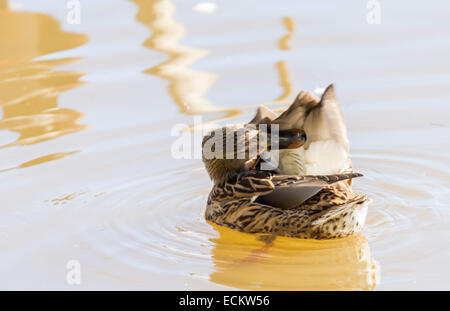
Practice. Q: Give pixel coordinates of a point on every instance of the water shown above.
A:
(85, 141)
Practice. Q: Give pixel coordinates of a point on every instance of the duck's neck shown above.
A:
(221, 170)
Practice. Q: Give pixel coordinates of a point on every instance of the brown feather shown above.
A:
(295, 115)
(263, 115)
(325, 121)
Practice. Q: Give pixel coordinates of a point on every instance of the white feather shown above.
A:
(325, 157)
(318, 91)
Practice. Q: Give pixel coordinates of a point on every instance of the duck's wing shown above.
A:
(283, 191)
(263, 115)
(290, 193)
(248, 185)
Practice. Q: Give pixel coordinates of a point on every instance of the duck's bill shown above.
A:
(288, 139)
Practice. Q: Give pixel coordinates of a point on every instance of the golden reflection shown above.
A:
(187, 87)
(285, 44)
(292, 264)
(40, 160)
(29, 89)
(285, 80)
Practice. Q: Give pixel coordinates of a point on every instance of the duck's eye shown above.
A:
(303, 137)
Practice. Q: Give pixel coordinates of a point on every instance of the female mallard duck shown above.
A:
(306, 194)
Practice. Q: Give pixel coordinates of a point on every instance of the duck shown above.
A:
(285, 175)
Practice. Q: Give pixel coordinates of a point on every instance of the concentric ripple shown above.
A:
(164, 232)
(151, 228)
(410, 191)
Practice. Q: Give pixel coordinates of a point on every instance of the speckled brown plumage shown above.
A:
(332, 213)
(298, 198)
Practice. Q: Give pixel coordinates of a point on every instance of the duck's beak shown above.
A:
(288, 139)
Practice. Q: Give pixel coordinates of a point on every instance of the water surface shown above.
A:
(86, 120)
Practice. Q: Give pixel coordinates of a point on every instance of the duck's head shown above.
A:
(231, 150)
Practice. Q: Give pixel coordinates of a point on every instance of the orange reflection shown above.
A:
(187, 87)
(40, 160)
(284, 44)
(292, 264)
(29, 89)
(285, 80)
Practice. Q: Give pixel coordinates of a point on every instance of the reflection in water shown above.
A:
(292, 264)
(240, 260)
(285, 80)
(285, 44)
(29, 89)
(186, 86)
(43, 159)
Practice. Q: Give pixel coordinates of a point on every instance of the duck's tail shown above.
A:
(325, 121)
(356, 211)
(326, 148)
